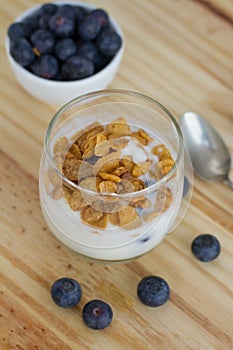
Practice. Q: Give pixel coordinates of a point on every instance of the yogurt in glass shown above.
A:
(161, 195)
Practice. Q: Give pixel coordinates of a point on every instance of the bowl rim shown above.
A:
(51, 82)
(100, 93)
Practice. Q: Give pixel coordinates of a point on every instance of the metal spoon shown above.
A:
(210, 157)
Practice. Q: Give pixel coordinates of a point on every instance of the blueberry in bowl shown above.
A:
(59, 51)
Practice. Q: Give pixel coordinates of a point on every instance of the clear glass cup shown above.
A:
(107, 226)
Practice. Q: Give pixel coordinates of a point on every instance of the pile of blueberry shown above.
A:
(152, 291)
(67, 292)
(96, 314)
(64, 42)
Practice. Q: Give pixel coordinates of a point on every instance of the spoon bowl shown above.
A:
(209, 154)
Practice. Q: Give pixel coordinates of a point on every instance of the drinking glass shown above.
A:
(139, 229)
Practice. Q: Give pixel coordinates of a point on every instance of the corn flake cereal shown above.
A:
(119, 171)
(85, 170)
(137, 184)
(75, 151)
(114, 219)
(57, 193)
(141, 168)
(107, 187)
(118, 128)
(91, 215)
(66, 192)
(166, 165)
(88, 134)
(110, 177)
(128, 218)
(102, 147)
(91, 183)
(66, 155)
(145, 136)
(71, 168)
(105, 205)
(125, 186)
(140, 139)
(127, 163)
(89, 147)
(118, 143)
(141, 202)
(161, 151)
(94, 218)
(95, 162)
(61, 144)
(76, 201)
(100, 138)
(102, 222)
(108, 164)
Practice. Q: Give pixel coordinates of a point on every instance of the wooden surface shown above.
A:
(181, 53)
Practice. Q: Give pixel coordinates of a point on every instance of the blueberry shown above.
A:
(76, 67)
(45, 66)
(101, 16)
(21, 51)
(101, 62)
(146, 239)
(18, 30)
(43, 21)
(48, 8)
(32, 21)
(65, 48)
(206, 247)
(89, 28)
(88, 49)
(45, 13)
(76, 42)
(153, 291)
(58, 76)
(80, 12)
(67, 10)
(185, 186)
(43, 40)
(108, 42)
(66, 292)
(97, 314)
(62, 26)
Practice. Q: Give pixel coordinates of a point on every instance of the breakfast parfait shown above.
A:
(110, 190)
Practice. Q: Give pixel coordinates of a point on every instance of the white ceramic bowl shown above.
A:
(59, 92)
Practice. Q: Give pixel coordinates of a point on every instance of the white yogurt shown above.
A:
(113, 243)
(102, 244)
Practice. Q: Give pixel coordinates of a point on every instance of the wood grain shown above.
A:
(181, 53)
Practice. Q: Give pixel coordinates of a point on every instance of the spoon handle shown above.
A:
(229, 183)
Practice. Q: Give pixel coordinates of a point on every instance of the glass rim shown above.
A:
(102, 93)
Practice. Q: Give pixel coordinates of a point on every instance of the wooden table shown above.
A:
(181, 53)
